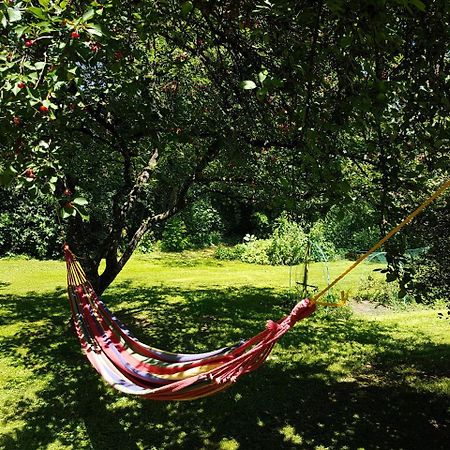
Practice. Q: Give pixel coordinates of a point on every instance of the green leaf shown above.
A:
(262, 76)
(44, 3)
(7, 175)
(3, 19)
(82, 214)
(37, 12)
(80, 201)
(14, 14)
(88, 15)
(248, 85)
(20, 30)
(418, 4)
(39, 65)
(261, 94)
(186, 8)
(16, 89)
(67, 212)
(95, 30)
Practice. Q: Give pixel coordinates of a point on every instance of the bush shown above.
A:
(429, 270)
(203, 224)
(175, 236)
(382, 293)
(261, 224)
(353, 230)
(321, 248)
(28, 228)
(230, 253)
(147, 244)
(286, 246)
(256, 251)
(288, 243)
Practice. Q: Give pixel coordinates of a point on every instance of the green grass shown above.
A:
(335, 381)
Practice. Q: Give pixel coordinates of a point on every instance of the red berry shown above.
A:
(43, 109)
(118, 55)
(21, 85)
(75, 35)
(67, 192)
(95, 46)
(29, 43)
(17, 121)
(29, 173)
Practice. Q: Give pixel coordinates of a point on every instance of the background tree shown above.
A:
(124, 110)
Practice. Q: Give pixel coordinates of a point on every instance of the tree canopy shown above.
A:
(123, 111)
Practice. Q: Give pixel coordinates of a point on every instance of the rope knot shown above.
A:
(301, 310)
(273, 326)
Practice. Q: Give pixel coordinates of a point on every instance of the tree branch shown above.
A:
(177, 205)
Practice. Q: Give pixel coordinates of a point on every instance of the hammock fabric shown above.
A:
(135, 368)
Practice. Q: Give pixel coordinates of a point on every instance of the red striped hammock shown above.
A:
(135, 368)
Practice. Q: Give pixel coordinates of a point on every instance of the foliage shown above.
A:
(255, 251)
(352, 229)
(428, 275)
(147, 243)
(203, 223)
(322, 249)
(123, 111)
(288, 243)
(28, 228)
(382, 293)
(229, 253)
(175, 236)
(261, 224)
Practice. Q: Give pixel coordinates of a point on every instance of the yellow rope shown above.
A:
(391, 233)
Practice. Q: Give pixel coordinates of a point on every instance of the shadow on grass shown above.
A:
(297, 400)
(4, 284)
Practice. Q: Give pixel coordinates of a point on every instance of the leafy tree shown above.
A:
(124, 110)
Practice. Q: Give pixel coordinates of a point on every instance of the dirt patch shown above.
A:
(368, 308)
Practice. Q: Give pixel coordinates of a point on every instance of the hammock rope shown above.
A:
(135, 368)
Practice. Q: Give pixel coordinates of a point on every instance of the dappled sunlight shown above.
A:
(334, 380)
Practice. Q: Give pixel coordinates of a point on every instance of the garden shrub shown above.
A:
(352, 230)
(382, 293)
(203, 224)
(286, 246)
(28, 228)
(230, 253)
(175, 236)
(261, 224)
(321, 248)
(147, 244)
(256, 251)
(429, 267)
(288, 243)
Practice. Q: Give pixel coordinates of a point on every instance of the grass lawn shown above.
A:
(338, 380)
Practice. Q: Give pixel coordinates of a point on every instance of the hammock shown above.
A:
(135, 368)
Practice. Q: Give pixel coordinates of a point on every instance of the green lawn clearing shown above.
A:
(338, 380)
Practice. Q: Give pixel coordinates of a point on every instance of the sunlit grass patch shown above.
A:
(336, 380)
